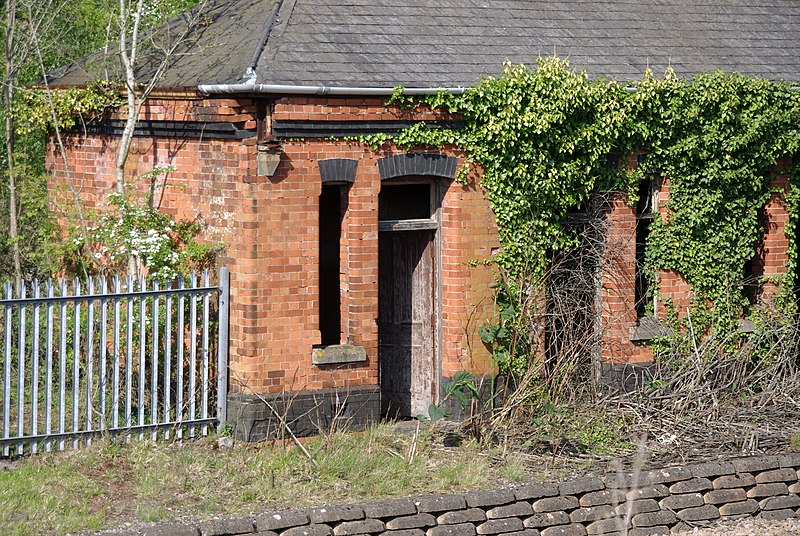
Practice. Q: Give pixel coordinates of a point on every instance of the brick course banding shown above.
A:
(654, 507)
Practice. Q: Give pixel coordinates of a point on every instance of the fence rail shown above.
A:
(118, 356)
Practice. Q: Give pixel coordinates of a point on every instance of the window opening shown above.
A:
(646, 212)
(332, 207)
(404, 202)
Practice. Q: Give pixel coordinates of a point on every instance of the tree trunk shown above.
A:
(9, 83)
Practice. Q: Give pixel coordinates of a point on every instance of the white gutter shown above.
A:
(277, 89)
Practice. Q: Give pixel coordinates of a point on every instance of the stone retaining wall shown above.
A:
(661, 501)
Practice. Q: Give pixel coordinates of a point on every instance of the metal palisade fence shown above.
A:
(125, 357)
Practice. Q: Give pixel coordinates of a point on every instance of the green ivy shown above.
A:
(75, 105)
(543, 137)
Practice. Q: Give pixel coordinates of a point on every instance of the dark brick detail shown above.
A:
(605, 526)
(440, 503)
(580, 485)
(768, 490)
(335, 514)
(777, 475)
(712, 469)
(226, 527)
(752, 465)
(417, 164)
(405, 532)
(777, 515)
(575, 529)
(637, 507)
(281, 520)
(625, 377)
(592, 513)
(463, 529)
(555, 504)
(608, 496)
(649, 492)
(489, 498)
(337, 170)
(518, 509)
(150, 128)
(303, 128)
(367, 526)
(738, 508)
(741, 480)
(722, 496)
(535, 491)
(653, 519)
(668, 475)
(778, 503)
(689, 486)
(171, 529)
(471, 515)
(497, 526)
(679, 502)
(306, 411)
(411, 522)
(699, 513)
(547, 519)
(391, 508)
(308, 530)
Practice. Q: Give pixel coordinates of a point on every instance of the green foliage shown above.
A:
(510, 351)
(73, 106)
(543, 137)
(163, 247)
(462, 387)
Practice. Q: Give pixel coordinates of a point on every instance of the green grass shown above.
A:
(107, 484)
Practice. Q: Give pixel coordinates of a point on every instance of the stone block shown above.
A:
(411, 522)
(498, 526)
(648, 492)
(547, 519)
(607, 496)
(440, 503)
(690, 486)
(605, 526)
(555, 504)
(405, 532)
(580, 485)
(226, 527)
(668, 475)
(756, 463)
(649, 531)
(523, 532)
(308, 530)
(170, 529)
(461, 529)
(739, 480)
(654, 519)
(335, 514)
(281, 520)
(575, 529)
(712, 469)
(791, 460)
(592, 513)
(679, 502)
(777, 475)
(517, 509)
(390, 508)
(680, 527)
(749, 506)
(779, 503)
(699, 513)
(535, 491)
(768, 490)
(778, 515)
(470, 515)
(722, 496)
(638, 507)
(366, 526)
(489, 498)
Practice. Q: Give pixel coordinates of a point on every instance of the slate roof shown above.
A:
(425, 43)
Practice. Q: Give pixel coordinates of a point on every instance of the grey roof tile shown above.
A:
(420, 43)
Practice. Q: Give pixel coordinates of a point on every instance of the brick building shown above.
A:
(352, 280)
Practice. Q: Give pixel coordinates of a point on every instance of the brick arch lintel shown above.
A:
(418, 164)
(337, 170)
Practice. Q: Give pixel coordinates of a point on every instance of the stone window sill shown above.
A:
(648, 328)
(335, 354)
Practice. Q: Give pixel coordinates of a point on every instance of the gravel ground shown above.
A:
(750, 527)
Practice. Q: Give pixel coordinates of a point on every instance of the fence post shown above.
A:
(222, 347)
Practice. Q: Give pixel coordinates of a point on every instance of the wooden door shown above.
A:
(406, 322)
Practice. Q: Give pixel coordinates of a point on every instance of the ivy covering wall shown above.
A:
(543, 136)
